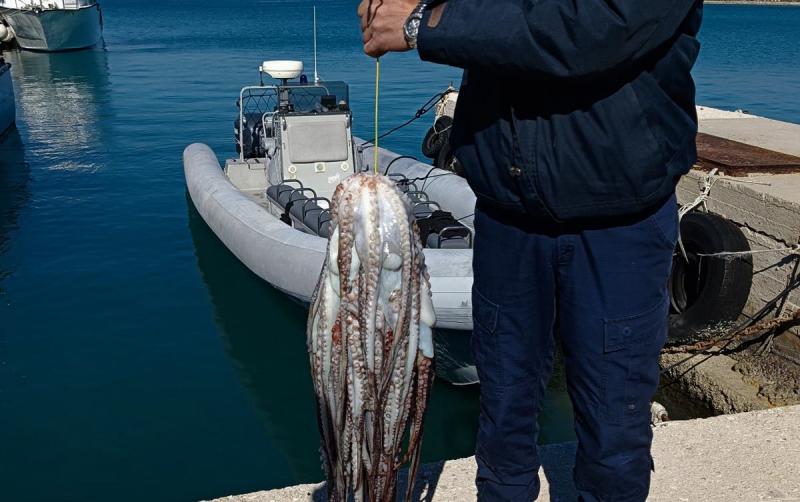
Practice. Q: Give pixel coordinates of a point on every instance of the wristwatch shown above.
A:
(411, 28)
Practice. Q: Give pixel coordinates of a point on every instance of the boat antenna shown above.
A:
(316, 76)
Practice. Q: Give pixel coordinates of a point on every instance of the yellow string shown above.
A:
(377, 94)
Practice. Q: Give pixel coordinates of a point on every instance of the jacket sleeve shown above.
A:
(549, 38)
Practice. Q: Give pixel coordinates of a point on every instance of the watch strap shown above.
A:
(411, 31)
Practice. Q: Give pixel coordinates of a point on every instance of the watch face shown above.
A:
(412, 27)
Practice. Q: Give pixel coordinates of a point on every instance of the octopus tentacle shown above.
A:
(369, 341)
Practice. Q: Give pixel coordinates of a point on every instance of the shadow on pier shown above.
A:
(557, 463)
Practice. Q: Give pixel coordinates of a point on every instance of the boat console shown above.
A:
(295, 145)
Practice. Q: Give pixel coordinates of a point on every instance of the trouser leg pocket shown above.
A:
(614, 461)
(631, 372)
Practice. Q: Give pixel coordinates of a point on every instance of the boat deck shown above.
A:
(258, 196)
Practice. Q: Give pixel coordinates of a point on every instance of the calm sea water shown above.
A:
(139, 360)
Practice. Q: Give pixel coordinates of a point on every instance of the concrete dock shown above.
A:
(766, 207)
(745, 457)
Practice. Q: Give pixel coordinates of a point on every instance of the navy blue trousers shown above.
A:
(602, 293)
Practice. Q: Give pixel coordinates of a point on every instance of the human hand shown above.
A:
(382, 23)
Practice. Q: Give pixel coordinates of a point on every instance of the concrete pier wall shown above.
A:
(766, 207)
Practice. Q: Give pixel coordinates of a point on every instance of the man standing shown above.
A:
(575, 120)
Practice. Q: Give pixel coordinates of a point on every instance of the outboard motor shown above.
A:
(249, 139)
(255, 139)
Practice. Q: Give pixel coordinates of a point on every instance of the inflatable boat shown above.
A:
(270, 206)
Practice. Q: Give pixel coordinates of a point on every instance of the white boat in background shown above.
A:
(8, 110)
(51, 25)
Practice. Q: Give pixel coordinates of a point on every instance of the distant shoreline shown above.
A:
(782, 3)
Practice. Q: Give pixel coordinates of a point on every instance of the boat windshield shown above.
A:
(302, 98)
(317, 97)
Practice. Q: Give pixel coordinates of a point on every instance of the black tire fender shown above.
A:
(436, 137)
(707, 291)
(447, 160)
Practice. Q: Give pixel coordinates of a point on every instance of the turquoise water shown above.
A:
(138, 359)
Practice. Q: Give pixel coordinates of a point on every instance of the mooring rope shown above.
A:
(751, 330)
(737, 254)
(781, 323)
(427, 107)
(733, 335)
(701, 199)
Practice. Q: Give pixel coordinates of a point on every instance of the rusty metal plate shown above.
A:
(740, 159)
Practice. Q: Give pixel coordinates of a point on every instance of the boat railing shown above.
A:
(78, 4)
(254, 101)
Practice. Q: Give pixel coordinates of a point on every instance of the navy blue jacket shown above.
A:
(571, 109)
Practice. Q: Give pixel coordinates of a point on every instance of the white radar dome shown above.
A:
(282, 69)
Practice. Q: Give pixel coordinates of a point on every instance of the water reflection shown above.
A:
(264, 334)
(63, 101)
(14, 179)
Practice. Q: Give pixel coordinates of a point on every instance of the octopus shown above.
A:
(370, 342)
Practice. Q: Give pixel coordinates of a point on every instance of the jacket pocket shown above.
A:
(632, 346)
(602, 160)
(664, 223)
(481, 139)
